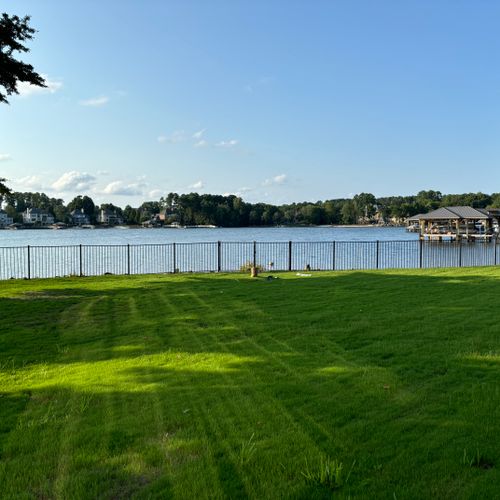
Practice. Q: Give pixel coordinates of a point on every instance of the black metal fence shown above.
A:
(93, 260)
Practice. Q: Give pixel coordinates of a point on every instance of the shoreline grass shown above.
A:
(377, 384)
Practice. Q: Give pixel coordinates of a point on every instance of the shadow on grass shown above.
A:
(53, 446)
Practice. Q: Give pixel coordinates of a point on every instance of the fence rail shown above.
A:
(93, 260)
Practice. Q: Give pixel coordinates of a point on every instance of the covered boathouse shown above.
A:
(455, 223)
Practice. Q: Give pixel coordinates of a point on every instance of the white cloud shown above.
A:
(240, 192)
(196, 185)
(201, 144)
(5, 157)
(276, 180)
(155, 193)
(25, 89)
(198, 135)
(102, 172)
(31, 182)
(227, 144)
(175, 137)
(74, 181)
(120, 188)
(95, 102)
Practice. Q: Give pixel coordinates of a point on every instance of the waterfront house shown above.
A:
(79, 217)
(161, 218)
(164, 218)
(154, 221)
(5, 220)
(37, 216)
(109, 217)
(454, 223)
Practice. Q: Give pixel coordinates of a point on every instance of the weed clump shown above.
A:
(328, 473)
(477, 460)
(247, 450)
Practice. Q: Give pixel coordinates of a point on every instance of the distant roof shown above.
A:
(447, 213)
(415, 217)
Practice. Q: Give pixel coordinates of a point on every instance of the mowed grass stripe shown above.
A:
(194, 463)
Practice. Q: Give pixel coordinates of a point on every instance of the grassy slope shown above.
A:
(154, 386)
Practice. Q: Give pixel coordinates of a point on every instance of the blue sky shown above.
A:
(277, 101)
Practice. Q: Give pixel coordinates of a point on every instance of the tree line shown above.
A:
(232, 211)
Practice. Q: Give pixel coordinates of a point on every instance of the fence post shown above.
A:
(128, 258)
(289, 256)
(219, 249)
(495, 252)
(333, 256)
(173, 256)
(81, 261)
(254, 254)
(378, 254)
(421, 246)
(459, 253)
(29, 263)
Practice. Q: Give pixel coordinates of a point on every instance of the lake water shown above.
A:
(119, 236)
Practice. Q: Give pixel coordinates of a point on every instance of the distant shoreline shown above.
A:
(135, 226)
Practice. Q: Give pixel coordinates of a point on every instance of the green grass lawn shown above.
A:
(220, 386)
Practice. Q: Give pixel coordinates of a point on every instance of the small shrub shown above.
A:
(247, 266)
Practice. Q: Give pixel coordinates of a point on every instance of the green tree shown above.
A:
(349, 212)
(429, 200)
(312, 214)
(495, 200)
(255, 215)
(83, 202)
(3, 188)
(61, 213)
(364, 204)
(332, 211)
(11, 212)
(131, 215)
(13, 32)
(147, 210)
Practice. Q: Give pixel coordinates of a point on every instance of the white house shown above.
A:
(109, 217)
(37, 216)
(5, 220)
